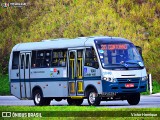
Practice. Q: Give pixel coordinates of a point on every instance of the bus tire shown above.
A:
(47, 101)
(92, 97)
(134, 99)
(78, 101)
(38, 98)
(74, 101)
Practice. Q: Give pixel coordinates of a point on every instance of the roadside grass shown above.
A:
(156, 88)
(71, 108)
(5, 90)
(82, 112)
(4, 85)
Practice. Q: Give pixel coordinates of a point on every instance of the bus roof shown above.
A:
(65, 43)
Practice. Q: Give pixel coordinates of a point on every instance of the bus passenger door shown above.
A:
(79, 73)
(72, 73)
(25, 75)
(75, 72)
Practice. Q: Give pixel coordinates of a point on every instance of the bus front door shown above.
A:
(25, 60)
(75, 67)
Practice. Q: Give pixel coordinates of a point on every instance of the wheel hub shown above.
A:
(38, 98)
(92, 97)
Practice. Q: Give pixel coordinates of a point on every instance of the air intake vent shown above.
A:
(129, 75)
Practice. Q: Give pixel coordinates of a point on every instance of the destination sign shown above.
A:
(113, 46)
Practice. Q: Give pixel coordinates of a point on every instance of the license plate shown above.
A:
(129, 85)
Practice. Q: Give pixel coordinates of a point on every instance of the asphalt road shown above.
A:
(145, 102)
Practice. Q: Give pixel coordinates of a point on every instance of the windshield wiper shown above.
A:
(137, 63)
(121, 65)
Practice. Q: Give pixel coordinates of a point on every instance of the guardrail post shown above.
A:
(150, 83)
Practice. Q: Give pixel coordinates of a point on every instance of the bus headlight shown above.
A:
(109, 79)
(144, 78)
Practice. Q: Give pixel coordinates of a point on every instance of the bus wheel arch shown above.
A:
(92, 95)
(36, 88)
(37, 95)
(89, 87)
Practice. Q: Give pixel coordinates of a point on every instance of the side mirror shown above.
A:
(139, 50)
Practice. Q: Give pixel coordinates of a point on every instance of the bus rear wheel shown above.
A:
(92, 97)
(38, 98)
(74, 101)
(134, 99)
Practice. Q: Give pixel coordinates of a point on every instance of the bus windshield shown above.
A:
(119, 55)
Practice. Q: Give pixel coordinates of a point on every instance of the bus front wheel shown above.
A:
(134, 99)
(92, 97)
(38, 98)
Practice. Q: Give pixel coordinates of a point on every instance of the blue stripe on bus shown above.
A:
(92, 78)
(54, 79)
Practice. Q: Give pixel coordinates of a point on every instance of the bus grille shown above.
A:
(128, 80)
(123, 81)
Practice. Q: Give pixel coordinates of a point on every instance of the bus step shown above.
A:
(77, 97)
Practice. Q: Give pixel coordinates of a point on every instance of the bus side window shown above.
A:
(59, 58)
(27, 61)
(54, 58)
(47, 59)
(22, 61)
(40, 58)
(91, 58)
(33, 60)
(15, 60)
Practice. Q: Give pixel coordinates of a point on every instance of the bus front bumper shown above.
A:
(123, 87)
